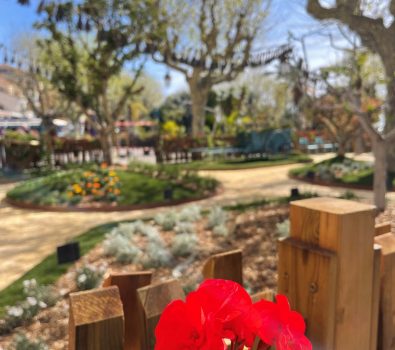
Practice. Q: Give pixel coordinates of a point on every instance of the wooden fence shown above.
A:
(336, 268)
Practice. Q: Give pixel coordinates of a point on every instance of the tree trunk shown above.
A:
(380, 173)
(390, 122)
(341, 148)
(199, 97)
(106, 145)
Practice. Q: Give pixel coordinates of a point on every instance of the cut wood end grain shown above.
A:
(95, 305)
(334, 205)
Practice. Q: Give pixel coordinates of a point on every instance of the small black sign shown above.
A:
(68, 253)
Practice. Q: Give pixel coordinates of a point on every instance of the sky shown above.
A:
(285, 16)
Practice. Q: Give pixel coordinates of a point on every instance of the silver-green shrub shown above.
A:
(21, 342)
(221, 230)
(166, 220)
(156, 255)
(37, 297)
(283, 228)
(184, 244)
(190, 213)
(88, 277)
(184, 227)
(216, 217)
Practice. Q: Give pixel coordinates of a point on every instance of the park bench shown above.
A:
(252, 144)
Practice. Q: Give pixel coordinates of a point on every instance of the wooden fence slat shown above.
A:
(96, 320)
(346, 228)
(387, 301)
(154, 299)
(375, 297)
(128, 283)
(383, 228)
(307, 276)
(228, 266)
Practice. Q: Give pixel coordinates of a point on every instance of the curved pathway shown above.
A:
(27, 236)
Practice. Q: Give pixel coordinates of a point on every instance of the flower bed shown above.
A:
(103, 188)
(174, 244)
(339, 171)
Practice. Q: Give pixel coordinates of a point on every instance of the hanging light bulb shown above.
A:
(167, 79)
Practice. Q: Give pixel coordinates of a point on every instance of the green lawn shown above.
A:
(241, 163)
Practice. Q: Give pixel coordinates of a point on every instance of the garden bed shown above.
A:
(337, 172)
(103, 189)
(181, 252)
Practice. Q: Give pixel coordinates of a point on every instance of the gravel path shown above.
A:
(27, 236)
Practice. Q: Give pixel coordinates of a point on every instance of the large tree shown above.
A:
(208, 41)
(366, 18)
(29, 74)
(89, 45)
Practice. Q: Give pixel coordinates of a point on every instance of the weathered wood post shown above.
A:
(387, 297)
(326, 268)
(128, 283)
(96, 320)
(154, 299)
(228, 266)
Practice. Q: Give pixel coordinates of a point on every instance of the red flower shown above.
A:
(183, 326)
(221, 309)
(281, 326)
(231, 305)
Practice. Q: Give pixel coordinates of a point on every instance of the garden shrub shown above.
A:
(221, 230)
(22, 342)
(283, 228)
(184, 227)
(190, 213)
(184, 244)
(37, 297)
(216, 217)
(89, 277)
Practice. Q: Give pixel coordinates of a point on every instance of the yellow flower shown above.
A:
(96, 179)
(112, 173)
(77, 188)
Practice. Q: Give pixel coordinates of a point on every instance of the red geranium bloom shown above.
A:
(183, 326)
(281, 326)
(231, 306)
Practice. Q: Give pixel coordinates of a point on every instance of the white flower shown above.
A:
(32, 301)
(81, 278)
(42, 304)
(15, 311)
(30, 283)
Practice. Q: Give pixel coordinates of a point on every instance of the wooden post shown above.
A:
(375, 297)
(387, 300)
(331, 282)
(228, 266)
(96, 320)
(154, 299)
(128, 284)
(382, 228)
(307, 275)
